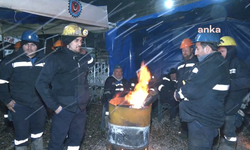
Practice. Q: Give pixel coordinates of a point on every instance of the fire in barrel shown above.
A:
(129, 120)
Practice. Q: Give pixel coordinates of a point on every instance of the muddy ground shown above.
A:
(163, 136)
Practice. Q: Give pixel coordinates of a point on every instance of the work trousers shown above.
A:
(67, 129)
(200, 137)
(174, 108)
(229, 127)
(28, 121)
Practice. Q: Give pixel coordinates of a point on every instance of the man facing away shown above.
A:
(166, 91)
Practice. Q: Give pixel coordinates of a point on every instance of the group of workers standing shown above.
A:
(211, 85)
(31, 81)
(207, 88)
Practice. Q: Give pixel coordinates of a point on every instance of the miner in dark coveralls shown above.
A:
(184, 70)
(189, 60)
(203, 95)
(64, 88)
(18, 75)
(239, 87)
(114, 84)
(166, 91)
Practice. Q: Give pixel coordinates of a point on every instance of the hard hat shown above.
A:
(186, 43)
(207, 37)
(58, 43)
(74, 30)
(227, 41)
(117, 67)
(172, 70)
(29, 36)
(17, 45)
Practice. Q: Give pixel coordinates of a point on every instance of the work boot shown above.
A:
(183, 135)
(20, 147)
(227, 145)
(37, 144)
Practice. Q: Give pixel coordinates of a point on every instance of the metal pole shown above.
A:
(45, 42)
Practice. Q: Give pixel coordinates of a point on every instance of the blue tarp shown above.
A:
(156, 38)
(13, 16)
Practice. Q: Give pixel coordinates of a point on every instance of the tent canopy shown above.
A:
(48, 17)
(156, 38)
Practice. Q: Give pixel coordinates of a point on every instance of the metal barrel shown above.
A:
(128, 128)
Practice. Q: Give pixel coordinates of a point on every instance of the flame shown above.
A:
(136, 98)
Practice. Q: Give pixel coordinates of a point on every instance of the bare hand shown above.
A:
(82, 51)
(59, 109)
(11, 105)
(175, 96)
(152, 93)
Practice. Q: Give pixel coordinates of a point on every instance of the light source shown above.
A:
(169, 3)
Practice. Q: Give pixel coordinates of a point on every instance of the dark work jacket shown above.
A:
(152, 85)
(239, 82)
(166, 89)
(184, 70)
(204, 93)
(113, 86)
(18, 75)
(132, 83)
(63, 80)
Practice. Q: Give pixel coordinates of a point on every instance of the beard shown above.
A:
(75, 49)
(188, 56)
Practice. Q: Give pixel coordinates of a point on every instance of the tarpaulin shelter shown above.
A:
(156, 38)
(49, 16)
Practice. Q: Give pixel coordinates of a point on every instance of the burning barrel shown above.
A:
(128, 128)
(129, 117)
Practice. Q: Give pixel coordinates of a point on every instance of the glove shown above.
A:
(245, 101)
(239, 117)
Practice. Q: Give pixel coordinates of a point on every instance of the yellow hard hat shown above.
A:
(74, 30)
(227, 41)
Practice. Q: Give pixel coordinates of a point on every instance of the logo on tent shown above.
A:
(209, 30)
(75, 8)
